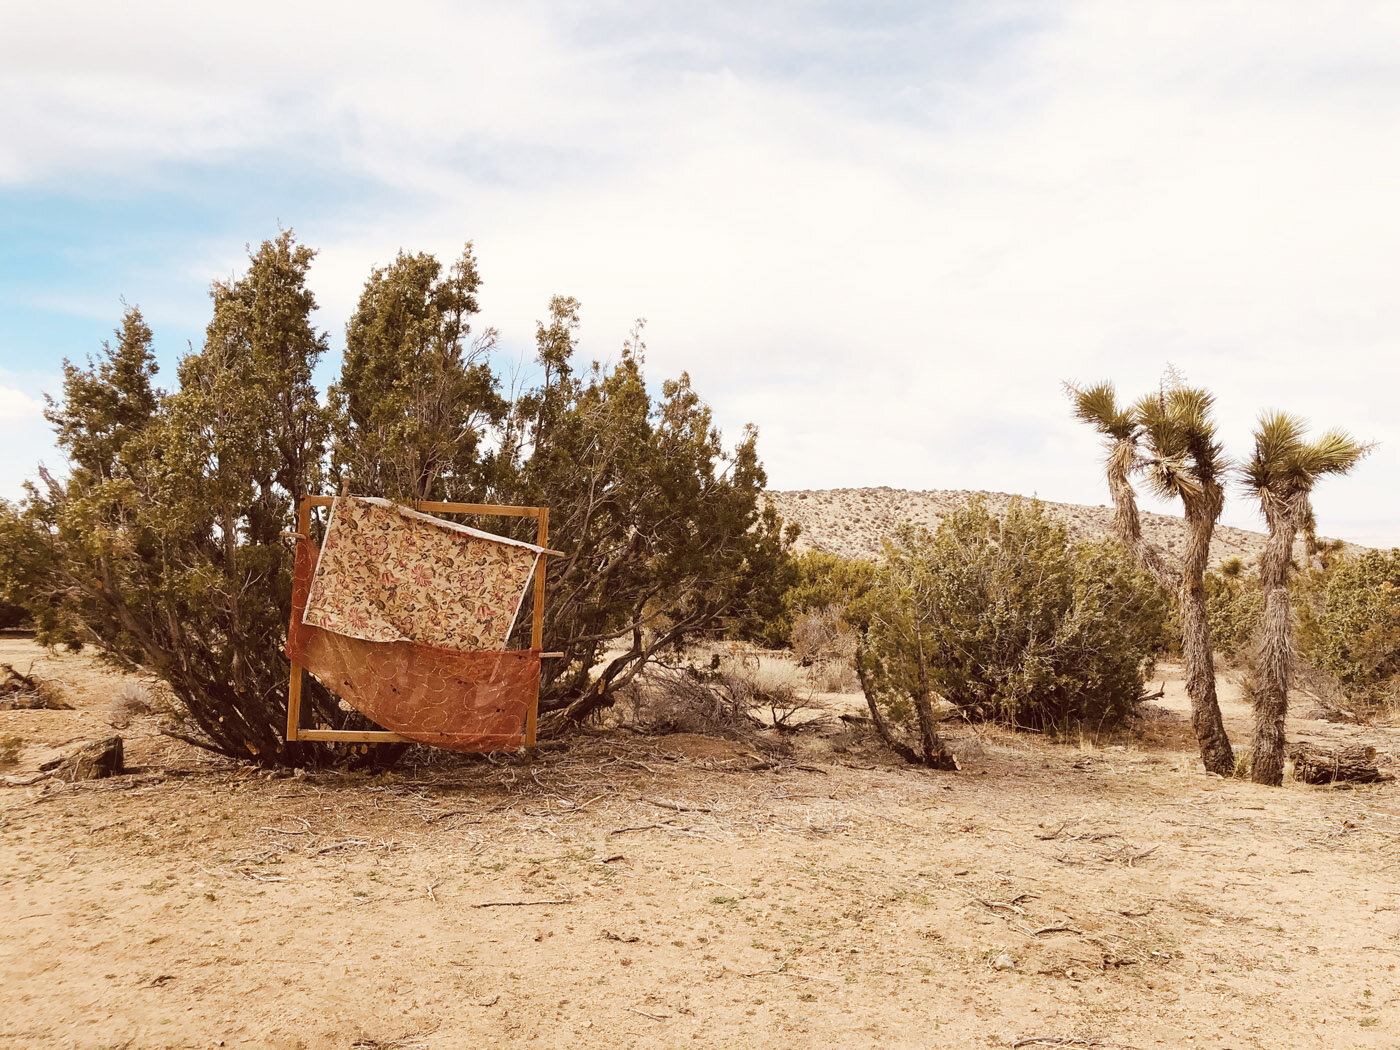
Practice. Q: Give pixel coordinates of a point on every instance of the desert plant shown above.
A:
(1235, 608)
(1350, 625)
(819, 581)
(1281, 475)
(1169, 437)
(668, 534)
(1012, 622)
(416, 400)
(163, 545)
(823, 636)
(774, 690)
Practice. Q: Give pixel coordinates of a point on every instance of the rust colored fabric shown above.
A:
(388, 573)
(462, 701)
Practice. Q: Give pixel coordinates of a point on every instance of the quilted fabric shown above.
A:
(387, 574)
(463, 701)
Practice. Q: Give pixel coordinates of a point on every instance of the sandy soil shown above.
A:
(687, 891)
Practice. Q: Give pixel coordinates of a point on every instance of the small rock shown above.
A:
(1003, 962)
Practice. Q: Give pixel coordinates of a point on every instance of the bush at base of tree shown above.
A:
(1009, 621)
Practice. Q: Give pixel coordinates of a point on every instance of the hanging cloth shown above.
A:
(404, 617)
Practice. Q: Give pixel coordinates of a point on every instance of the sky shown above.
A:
(886, 233)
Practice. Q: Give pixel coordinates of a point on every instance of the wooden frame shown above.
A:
(303, 534)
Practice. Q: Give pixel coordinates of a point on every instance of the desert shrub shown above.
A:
(823, 636)
(1349, 623)
(772, 691)
(1235, 606)
(1008, 620)
(733, 700)
(162, 546)
(669, 536)
(132, 699)
(817, 581)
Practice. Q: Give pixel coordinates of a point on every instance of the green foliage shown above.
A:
(820, 581)
(1235, 606)
(1008, 620)
(1234, 609)
(163, 546)
(666, 531)
(1351, 626)
(416, 399)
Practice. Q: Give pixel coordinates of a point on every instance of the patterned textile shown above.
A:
(388, 574)
(463, 701)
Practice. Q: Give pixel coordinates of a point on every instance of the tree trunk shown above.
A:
(1196, 649)
(1269, 690)
(1216, 753)
(1355, 763)
(1189, 583)
(935, 752)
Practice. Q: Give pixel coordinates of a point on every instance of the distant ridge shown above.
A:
(855, 522)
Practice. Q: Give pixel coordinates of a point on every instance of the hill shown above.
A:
(854, 522)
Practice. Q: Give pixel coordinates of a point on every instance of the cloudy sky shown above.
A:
(884, 232)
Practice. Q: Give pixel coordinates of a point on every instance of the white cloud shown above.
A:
(891, 275)
(16, 405)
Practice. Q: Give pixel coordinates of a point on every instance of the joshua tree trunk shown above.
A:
(1270, 686)
(1189, 584)
(1216, 752)
(1196, 649)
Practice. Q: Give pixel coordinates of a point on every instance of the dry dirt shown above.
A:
(855, 522)
(688, 891)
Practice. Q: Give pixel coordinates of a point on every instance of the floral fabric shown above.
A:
(464, 701)
(388, 574)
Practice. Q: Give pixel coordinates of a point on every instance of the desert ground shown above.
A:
(629, 890)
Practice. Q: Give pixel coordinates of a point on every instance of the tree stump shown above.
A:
(101, 758)
(1353, 763)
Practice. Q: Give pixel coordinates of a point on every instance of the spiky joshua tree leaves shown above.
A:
(1168, 439)
(1281, 475)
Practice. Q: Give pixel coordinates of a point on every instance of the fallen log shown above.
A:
(1352, 763)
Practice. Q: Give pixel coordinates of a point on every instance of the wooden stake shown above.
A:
(537, 625)
(294, 685)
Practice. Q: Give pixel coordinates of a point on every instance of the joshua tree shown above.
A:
(1281, 475)
(1169, 438)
